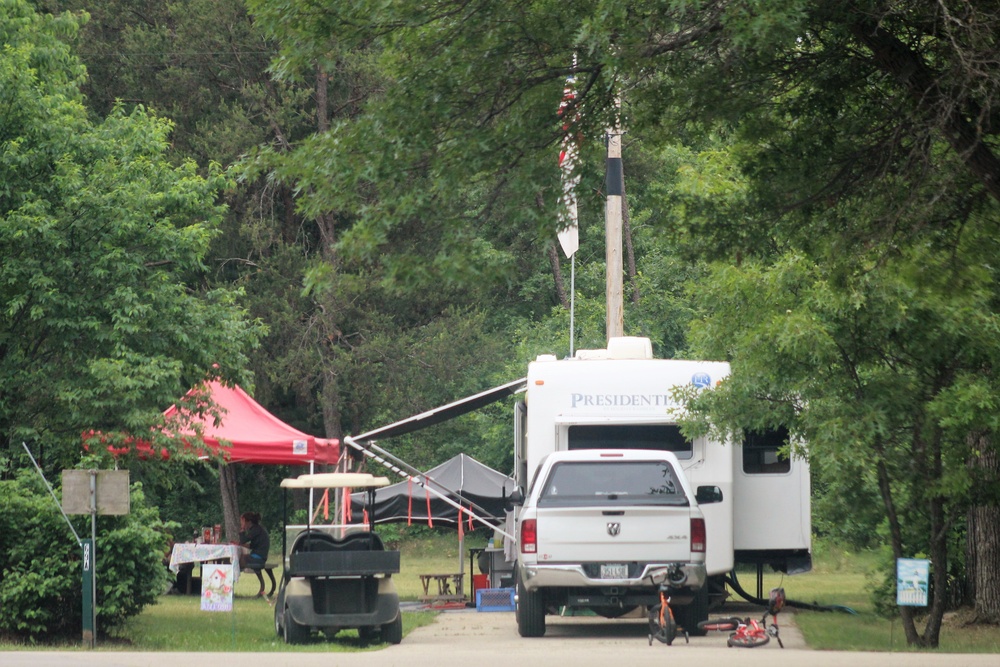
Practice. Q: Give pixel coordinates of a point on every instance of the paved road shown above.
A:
(472, 639)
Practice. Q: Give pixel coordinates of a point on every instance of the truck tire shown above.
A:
(294, 633)
(392, 633)
(692, 614)
(530, 612)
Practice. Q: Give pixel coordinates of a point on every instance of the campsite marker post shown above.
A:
(93, 492)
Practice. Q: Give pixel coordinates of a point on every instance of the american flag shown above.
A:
(569, 237)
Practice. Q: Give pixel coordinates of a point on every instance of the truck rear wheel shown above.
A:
(693, 613)
(530, 612)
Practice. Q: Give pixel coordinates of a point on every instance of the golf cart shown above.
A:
(337, 577)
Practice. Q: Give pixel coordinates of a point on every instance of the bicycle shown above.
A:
(749, 632)
(662, 624)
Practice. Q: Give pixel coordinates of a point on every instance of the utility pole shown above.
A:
(615, 186)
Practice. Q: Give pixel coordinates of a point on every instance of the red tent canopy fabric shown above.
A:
(252, 434)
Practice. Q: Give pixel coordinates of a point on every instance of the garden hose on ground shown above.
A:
(734, 583)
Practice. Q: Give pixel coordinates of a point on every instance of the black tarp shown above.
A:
(463, 475)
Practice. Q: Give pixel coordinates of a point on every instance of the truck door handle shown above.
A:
(613, 513)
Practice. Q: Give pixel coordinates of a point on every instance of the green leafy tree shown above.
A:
(103, 243)
(864, 132)
(876, 366)
(40, 582)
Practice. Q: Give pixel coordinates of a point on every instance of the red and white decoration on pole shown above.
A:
(569, 237)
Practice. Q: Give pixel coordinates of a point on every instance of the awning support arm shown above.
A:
(406, 471)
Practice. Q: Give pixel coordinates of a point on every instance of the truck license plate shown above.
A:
(614, 571)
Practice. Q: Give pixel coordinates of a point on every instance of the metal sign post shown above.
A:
(93, 492)
(89, 594)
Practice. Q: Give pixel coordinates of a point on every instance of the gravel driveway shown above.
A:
(467, 638)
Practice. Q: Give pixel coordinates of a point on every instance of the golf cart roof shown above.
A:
(335, 480)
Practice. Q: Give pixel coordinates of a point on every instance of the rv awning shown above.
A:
(444, 413)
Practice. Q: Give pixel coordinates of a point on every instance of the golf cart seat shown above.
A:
(314, 540)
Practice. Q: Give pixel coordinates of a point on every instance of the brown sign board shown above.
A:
(111, 490)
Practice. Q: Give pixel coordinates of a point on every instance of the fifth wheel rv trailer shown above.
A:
(622, 398)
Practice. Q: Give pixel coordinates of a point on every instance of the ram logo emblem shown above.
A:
(614, 529)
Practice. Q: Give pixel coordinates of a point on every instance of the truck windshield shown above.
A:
(607, 482)
(661, 437)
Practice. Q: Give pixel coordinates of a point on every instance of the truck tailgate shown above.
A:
(659, 534)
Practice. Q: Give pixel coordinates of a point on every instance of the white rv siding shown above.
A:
(561, 394)
(777, 514)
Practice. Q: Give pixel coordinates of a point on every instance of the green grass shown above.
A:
(176, 623)
(842, 579)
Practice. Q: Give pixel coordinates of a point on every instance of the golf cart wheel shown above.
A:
(294, 633)
(277, 623)
(392, 633)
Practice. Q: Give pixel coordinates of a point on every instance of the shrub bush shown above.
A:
(41, 577)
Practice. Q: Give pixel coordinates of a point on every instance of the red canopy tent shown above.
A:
(246, 432)
(253, 433)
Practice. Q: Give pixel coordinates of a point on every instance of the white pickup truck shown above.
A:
(602, 528)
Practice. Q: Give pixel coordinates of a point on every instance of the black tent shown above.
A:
(462, 475)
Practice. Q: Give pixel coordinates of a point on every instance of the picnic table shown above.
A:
(448, 587)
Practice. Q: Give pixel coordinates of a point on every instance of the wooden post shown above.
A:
(614, 185)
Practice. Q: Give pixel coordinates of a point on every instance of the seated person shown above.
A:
(256, 543)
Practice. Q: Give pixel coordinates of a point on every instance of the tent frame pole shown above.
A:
(408, 472)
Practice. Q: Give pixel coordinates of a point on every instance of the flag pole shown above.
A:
(572, 300)
(569, 237)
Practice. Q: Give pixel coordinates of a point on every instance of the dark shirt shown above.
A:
(257, 539)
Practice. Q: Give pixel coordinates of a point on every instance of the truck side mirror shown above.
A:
(708, 494)
(515, 498)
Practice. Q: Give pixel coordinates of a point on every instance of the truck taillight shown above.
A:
(698, 535)
(529, 536)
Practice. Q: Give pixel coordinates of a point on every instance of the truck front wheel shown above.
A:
(530, 612)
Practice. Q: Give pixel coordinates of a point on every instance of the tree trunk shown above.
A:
(952, 117)
(560, 285)
(557, 276)
(983, 535)
(230, 503)
(896, 540)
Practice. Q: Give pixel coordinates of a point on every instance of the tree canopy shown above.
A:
(105, 322)
(842, 175)
(812, 191)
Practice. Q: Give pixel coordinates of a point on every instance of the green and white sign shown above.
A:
(912, 581)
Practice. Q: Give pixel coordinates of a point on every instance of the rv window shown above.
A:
(630, 482)
(760, 452)
(661, 437)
